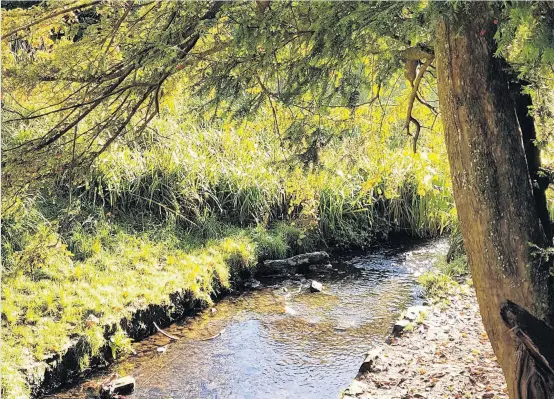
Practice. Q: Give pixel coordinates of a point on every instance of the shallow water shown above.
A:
(281, 341)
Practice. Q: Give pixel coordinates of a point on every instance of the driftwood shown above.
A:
(213, 336)
(535, 367)
(298, 263)
(164, 333)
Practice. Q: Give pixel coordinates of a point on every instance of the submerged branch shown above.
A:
(164, 333)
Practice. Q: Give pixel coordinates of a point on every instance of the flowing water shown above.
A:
(281, 340)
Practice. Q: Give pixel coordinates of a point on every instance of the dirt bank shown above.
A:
(444, 353)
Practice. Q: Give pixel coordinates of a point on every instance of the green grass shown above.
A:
(206, 178)
(440, 282)
(437, 285)
(48, 295)
(192, 211)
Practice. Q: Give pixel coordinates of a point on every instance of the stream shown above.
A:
(280, 340)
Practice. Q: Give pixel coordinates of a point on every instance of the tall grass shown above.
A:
(202, 177)
(190, 210)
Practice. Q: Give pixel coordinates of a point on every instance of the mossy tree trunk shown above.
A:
(492, 185)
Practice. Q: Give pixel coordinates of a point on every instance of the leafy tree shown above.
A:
(104, 70)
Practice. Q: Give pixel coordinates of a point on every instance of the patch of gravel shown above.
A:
(446, 355)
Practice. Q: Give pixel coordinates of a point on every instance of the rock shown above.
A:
(252, 283)
(121, 386)
(162, 349)
(413, 312)
(290, 311)
(399, 327)
(371, 360)
(298, 263)
(355, 389)
(316, 286)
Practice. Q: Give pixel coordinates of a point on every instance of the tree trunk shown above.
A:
(491, 182)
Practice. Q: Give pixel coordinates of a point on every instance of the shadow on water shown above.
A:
(281, 341)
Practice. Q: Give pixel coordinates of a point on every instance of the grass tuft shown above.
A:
(445, 277)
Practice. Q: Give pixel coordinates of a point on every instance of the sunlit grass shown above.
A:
(45, 306)
(192, 212)
(440, 282)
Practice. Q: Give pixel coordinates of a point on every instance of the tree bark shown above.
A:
(491, 181)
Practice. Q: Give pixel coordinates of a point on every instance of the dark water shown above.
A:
(281, 341)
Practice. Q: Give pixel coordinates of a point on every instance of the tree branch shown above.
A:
(49, 16)
(413, 95)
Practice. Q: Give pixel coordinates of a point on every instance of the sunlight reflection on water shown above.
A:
(282, 343)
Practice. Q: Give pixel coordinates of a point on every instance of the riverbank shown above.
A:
(280, 340)
(443, 353)
(65, 312)
(71, 316)
(93, 310)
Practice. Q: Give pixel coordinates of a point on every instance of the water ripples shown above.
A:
(282, 343)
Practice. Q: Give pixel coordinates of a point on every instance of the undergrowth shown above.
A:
(192, 210)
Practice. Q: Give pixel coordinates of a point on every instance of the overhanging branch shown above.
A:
(413, 96)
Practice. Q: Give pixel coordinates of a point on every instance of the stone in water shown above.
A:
(316, 286)
(121, 386)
